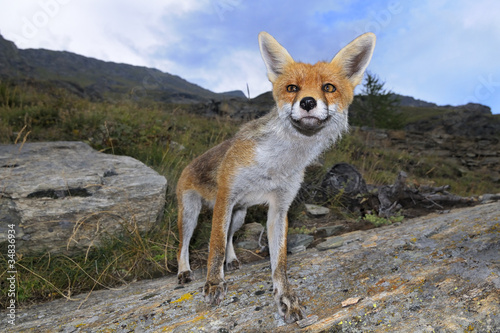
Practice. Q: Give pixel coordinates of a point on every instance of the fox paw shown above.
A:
(233, 265)
(214, 292)
(289, 306)
(185, 277)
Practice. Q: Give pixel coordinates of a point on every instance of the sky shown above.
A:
(441, 51)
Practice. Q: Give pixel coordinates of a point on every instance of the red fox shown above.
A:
(264, 163)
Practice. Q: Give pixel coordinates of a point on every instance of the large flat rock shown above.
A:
(65, 196)
(439, 273)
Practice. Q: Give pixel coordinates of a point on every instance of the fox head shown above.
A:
(312, 96)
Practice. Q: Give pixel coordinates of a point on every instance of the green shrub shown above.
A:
(380, 221)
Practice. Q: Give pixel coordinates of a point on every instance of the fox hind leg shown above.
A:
(237, 221)
(190, 204)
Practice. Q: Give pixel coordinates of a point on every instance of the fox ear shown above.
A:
(355, 57)
(275, 56)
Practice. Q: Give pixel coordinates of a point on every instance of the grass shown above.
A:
(166, 138)
(414, 114)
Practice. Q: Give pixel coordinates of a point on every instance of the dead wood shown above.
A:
(386, 200)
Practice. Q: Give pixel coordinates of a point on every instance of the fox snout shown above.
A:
(308, 103)
(309, 115)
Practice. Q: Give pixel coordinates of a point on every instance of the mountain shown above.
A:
(11, 63)
(234, 93)
(410, 101)
(101, 80)
(97, 79)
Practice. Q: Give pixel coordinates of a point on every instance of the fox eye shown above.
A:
(292, 88)
(328, 87)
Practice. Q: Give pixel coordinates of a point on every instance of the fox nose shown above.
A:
(308, 103)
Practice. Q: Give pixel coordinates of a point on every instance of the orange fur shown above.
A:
(309, 77)
(212, 176)
(240, 154)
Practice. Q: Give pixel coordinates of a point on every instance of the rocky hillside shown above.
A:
(466, 152)
(96, 79)
(471, 120)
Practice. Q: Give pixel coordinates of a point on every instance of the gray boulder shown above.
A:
(65, 196)
(298, 242)
(248, 237)
(316, 211)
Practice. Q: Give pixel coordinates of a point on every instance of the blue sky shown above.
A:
(442, 51)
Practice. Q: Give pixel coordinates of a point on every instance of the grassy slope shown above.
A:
(414, 114)
(154, 133)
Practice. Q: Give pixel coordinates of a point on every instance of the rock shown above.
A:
(297, 240)
(330, 230)
(449, 281)
(236, 108)
(344, 177)
(297, 249)
(248, 237)
(177, 146)
(476, 107)
(485, 198)
(490, 161)
(350, 301)
(65, 196)
(307, 321)
(331, 243)
(487, 153)
(316, 211)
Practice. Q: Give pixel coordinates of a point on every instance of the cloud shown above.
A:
(121, 31)
(442, 51)
(233, 72)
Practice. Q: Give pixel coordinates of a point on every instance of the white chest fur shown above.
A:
(279, 168)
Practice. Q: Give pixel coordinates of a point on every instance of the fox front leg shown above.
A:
(215, 287)
(287, 301)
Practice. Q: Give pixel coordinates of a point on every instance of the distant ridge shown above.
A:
(410, 101)
(99, 79)
(234, 93)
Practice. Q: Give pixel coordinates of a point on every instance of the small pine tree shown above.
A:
(376, 107)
